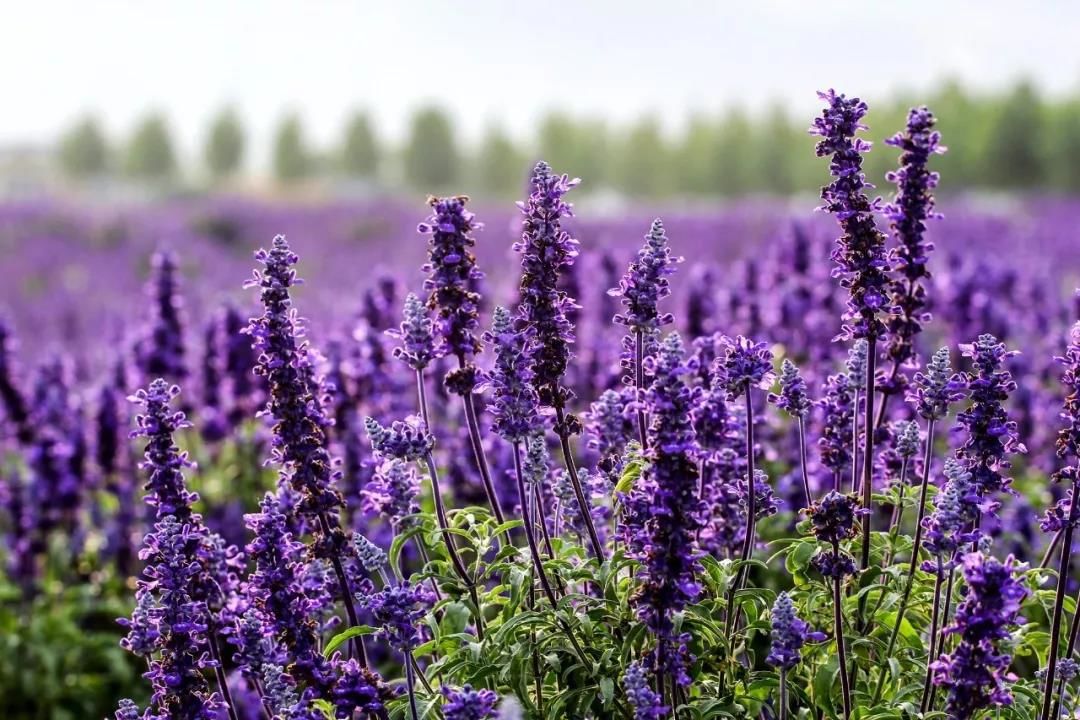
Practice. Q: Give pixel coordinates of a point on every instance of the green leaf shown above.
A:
(347, 634)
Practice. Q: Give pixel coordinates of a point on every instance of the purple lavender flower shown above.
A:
(281, 697)
(646, 283)
(646, 703)
(127, 710)
(793, 396)
(161, 352)
(747, 365)
(452, 273)
(175, 623)
(239, 366)
(765, 502)
(991, 434)
(855, 364)
(832, 518)
(392, 492)
(417, 348)
(860, 254)
(372, 557)
(299, 435)
(789, 633)
(976, 673)
(16, 409)
(711, 417)
(406, 439)
(937, 388)
(359, 689)
(547, 252)
(610, 427)
(947, 527)
(908, 213)
(165, 488)
(515, 406)
(666, 512)
(398, 610)
(907, 439)
(1068, 439)
(108, 421)
(468, 704)
(838, 408)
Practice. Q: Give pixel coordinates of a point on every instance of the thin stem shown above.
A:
(868, 450)
(1070, 648)
(751, 517)
(410, 684)
(451, 546)
(571, 470)
(219, 669)
(421, 398)
(915, 547)
(358, 644)
(944, 623)
(639, 386)
(802, 461)
(855, 442)
(781, 713)
(934, 618)
(530, 531)
(1059, 601)
(841, 652)
(481, 456)
(1050, 549)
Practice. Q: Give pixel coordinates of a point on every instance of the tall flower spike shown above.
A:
(937, 388)
(161, 352)
(909, 211)
(299, 435)
(860, 254)
(417, 348)
(515, 403)
(789, 634)
(1068, 439)
(547, 251)
(646, 283)
(667, 512)
(954, 512)
(991, 434)
(975, 673)
(907, 439)
(392, 491)
(793, 397)
(165, 488)
(838, 408)
(748, 364)
(452, 275)
(407, 439)
(646, 703)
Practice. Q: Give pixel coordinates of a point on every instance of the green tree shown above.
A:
(693, 172)
(432, 162)
(83, 150)
(593, 149)
(1065, 140)
(150, 154)
(733, 164)
(557, 143)
(1013, 155)
(775, 147)
(500, 166)
(292, 161)
(643, 167)
(360, 154)
(224, 150)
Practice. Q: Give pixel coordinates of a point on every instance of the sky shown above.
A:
(498, 61)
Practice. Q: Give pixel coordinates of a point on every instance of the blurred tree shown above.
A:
(431, 156)
(1013, 155)
(693, 160)
(557, 143)
(292, 162)
(150, 155)
(224, 151)
(733, 165)
(775, 145)
(642, 162)
(501, 169)
(360, 154)
(593, 153)
(83, 151)
(1065, 143)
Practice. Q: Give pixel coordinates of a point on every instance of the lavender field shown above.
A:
(763, 460)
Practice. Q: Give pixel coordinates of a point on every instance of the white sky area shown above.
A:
(498, 61)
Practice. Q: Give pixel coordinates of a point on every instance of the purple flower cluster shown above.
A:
(299, 429)
(838, 409)
(793, 396)
(832, 520)
(908, 213)
(610, 426)
(860, 254)
(392, 491)
(789, 634)
(398, 610)
(547, 251)
(515, 405)
(452, 277)
(746, 365)
(468, 704)
(646, 703)
(937, 388)
(161, 352)
(165, 488)
(947, 528)
(406, 439)
(991, 434)
(417, 348)
(1068, 439)
(669, 510)
(976, 673)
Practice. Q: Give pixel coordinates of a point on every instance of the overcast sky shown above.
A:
(498, 60)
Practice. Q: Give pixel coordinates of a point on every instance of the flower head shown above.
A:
(646, 283)
(468, 704)
(406, 439)
(955, 509)
(833, 517)
(860, 254)
(643, 699)
(747, 365)
(789, 633)
(372, 557)
(165, 488)
(547, 251)
(515, 406)
(392, 491)
(161, 352)
(1068, 439)
(417, 348)
(937, 388)
(907, 439)
(397, 610)
(793, 396)
(838, 407)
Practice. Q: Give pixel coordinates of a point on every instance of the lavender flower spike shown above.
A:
(789, 633)
(165, 488)
(515, 405)
(646, 703)
(793, 397)
(468, 704)
(417, 348)
(937, 388)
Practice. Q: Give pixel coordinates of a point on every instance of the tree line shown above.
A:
(1012, 140)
